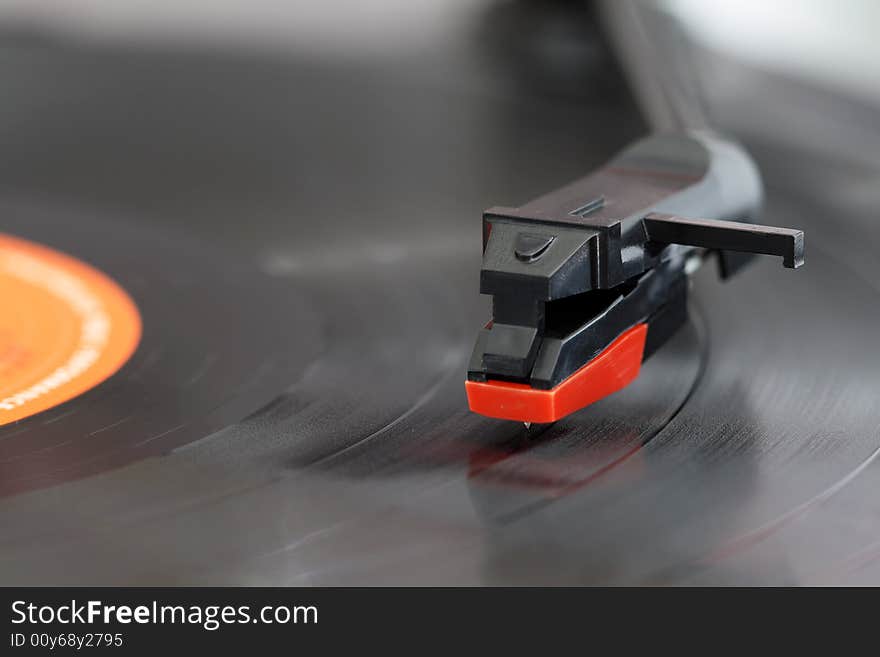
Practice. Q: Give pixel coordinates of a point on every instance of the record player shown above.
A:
(270, 266)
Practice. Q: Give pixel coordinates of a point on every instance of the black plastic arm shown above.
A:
(727, 235)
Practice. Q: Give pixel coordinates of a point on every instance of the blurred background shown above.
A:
(209, 111)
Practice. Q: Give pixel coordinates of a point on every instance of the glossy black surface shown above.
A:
(745, 453)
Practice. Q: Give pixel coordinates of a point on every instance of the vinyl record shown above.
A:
(294, 409)
(216, 345)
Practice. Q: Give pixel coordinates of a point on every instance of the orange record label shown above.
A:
(64, 328)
